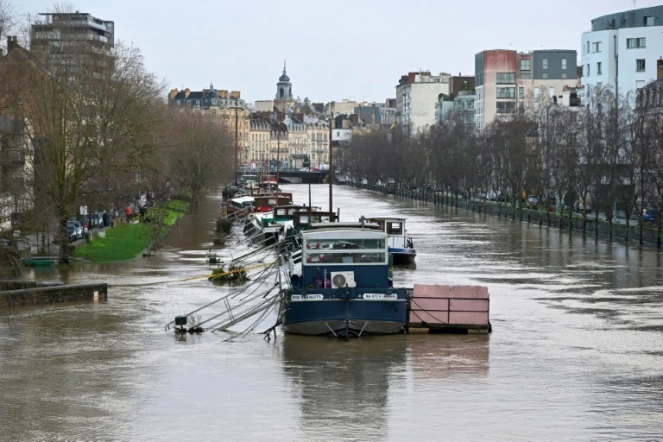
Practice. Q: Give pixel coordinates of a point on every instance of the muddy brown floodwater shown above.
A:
(576, 352)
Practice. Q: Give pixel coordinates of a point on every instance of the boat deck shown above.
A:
(448, 309)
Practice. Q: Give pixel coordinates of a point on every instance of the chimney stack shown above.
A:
(659, 68)
(12, 43)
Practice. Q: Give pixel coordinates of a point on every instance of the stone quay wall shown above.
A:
(21, 293)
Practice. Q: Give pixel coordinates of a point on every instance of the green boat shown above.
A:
(39, 261)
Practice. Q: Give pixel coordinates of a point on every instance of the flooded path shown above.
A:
(576, 352)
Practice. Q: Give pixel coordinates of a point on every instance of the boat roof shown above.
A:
(336, 226)
(343, 233)
(243, 199)
(386, 218)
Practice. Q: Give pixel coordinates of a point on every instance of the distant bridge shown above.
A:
(297, 176)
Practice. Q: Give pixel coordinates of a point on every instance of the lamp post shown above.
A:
(331, 169)
(236, 137)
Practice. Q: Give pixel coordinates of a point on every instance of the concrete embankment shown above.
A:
(21, 293)
(651, 236)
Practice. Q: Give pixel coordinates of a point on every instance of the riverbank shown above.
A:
(126, 241)
(651, 236)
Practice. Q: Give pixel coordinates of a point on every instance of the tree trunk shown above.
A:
(628, 225)
(584, 222)
(63, 239)
(571, 222)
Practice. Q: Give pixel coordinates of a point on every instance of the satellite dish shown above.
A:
(339, 281)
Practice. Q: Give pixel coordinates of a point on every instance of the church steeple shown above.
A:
(284, 86)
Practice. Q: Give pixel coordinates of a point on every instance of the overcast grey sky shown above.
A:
(335, 49)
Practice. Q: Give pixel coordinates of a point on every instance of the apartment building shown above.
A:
(621, 50)
(227, 106)
(416, 98)
(16, 187)
(507, 81)
(61, 38)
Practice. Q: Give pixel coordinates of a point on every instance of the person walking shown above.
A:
(127, 212)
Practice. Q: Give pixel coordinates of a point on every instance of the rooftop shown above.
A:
(634, 18)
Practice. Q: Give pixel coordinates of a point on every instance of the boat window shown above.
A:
(394, 228)
(320, 219)
(303, 220)
(346, 244)
(346, 258)
(271, 202)
(281, 212)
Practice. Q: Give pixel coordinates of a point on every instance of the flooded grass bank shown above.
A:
(126, 241)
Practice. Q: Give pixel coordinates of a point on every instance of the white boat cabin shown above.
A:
(395, 228)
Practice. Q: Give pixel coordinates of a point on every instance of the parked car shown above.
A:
(72, 232)
(94, 220)
(533, 200)
(649, 215)
(85, 223)
(78, 228)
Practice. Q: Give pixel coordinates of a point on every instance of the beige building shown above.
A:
(343, 107)
(318, 140)
(264, 105)
(293, 146)
(228, 107)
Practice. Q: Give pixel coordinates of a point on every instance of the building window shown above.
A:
(505, 107)
(597, 46)
(544, 75)
(506, 77)
(636, 43)
(589, 72)
(521, 92)
(587, 46)
(545, 63)
(506, 92)
(525, 73)
(640, 65)
(563, 63)
(648, 20)
(599, 68)
(563, 74)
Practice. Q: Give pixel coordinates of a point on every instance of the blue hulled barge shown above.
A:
(339, 283)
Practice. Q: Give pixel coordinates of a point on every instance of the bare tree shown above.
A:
(198, 152)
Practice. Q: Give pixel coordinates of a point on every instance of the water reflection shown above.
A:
(343, 385)
(434, 357)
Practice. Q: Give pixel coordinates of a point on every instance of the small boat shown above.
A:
(401, 247)
(339, 283)
(240, 206)
(39, 261)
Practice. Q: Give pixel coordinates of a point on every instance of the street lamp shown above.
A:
(236, 137)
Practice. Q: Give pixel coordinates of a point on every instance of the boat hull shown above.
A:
(402, 256)
(345, 312)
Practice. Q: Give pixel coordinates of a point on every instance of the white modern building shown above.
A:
(417, 97)
(621, 50)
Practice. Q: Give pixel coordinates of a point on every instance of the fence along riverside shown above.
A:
(651, 236)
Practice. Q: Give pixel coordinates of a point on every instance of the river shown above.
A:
(576, 351)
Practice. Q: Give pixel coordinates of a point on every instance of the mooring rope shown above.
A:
(232, 294)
